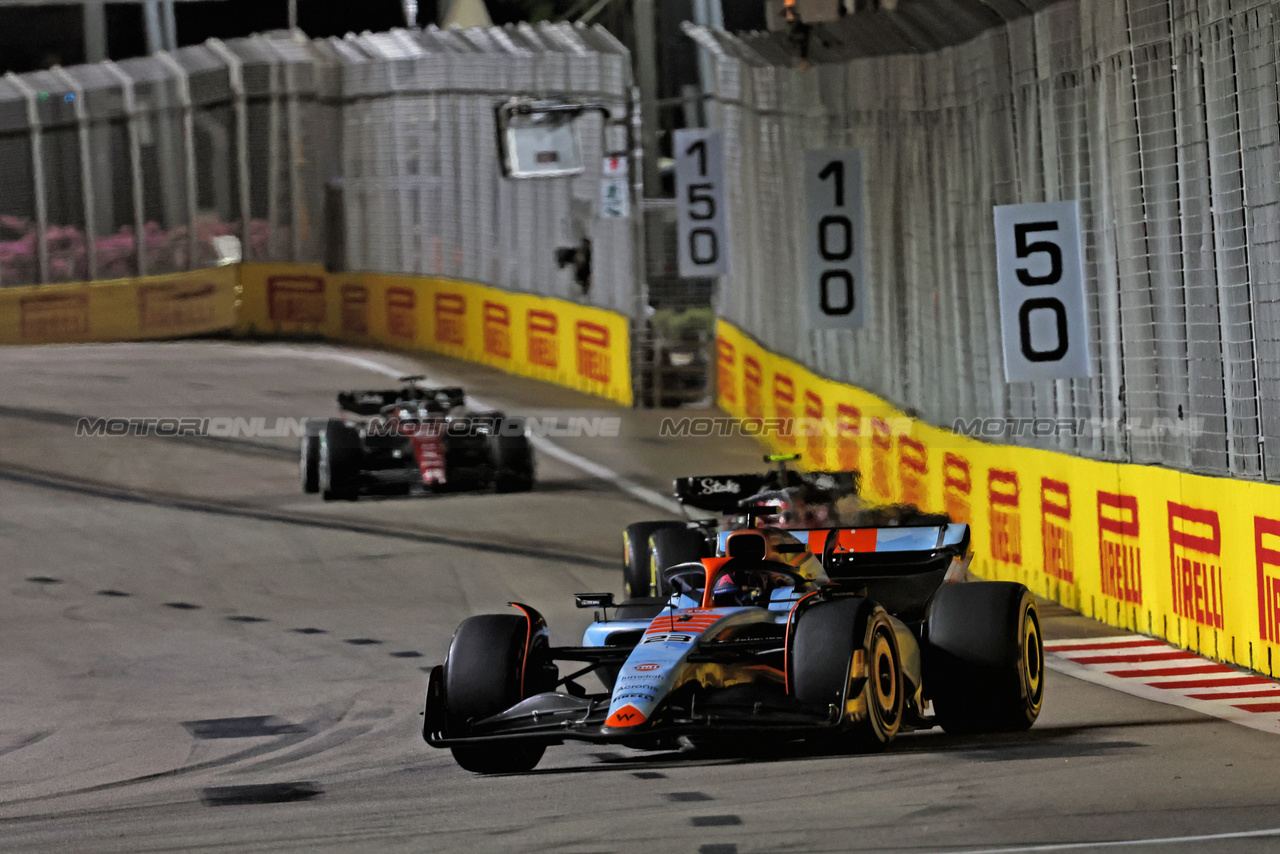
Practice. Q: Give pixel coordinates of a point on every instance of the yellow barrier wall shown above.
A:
(194, 303)
(549, 339)
(1189, 558)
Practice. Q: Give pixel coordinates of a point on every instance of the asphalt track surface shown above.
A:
(196, 656)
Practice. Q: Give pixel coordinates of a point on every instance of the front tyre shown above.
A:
(309, 461)
(984, 660)
(338, 468)
(486, 673)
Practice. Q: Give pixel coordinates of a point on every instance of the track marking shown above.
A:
(1166, 674)
(1119, 843)
(635, 490)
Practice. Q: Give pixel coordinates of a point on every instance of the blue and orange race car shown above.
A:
(850, 636)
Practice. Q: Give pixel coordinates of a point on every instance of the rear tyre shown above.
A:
(309, 460)
(485, 673)
(984, 660)
(512, 462)
(826, 669)
(338, 468)
(635, 557)
(671, 546)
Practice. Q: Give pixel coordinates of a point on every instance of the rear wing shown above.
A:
(857, 552)
(371, 401)
(724, 493)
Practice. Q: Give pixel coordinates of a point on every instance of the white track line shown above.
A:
(1122, 843)
(635, 490)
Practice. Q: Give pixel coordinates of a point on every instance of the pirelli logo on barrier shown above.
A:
(497, 329)
(881, 457)
(752, 379)
(1195, 559)
(913, 470)
(593, 351)
(176, 307)
(543, 335)
(726, 365)
(1005, 516)
(1055, 530)
(784, 402)
(451, 319)
(1119, 550)
(815, 437)
(1266, 544)
(295, 299)
(53, 317)
(354, 315)
(848, 437)
(402, 314)
(957, 486)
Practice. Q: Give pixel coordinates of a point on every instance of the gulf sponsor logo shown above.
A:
(849, 437)
(543, 336)
(816, 440)
(52, 317)
(451, 319)
(497, 329)
(784, 401)
(957, 486)
(752, 379)
(1004, 516)
(1195, 561)
(1266, 543)
(592, 341)
(402, 315)
(727, 362)
(645, 668)
(1119, 551)
(881, 457)
(355, 310)
(1055, 529)
(295, 299)
(176, 306)
(913, 470)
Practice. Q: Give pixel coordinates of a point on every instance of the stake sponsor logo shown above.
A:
(957, 486)
(593, 351)
(543, 333)
(497, 329)
(355, 310)
(295, 299)
(451, 319)
(1055, 529)
(1195, 561)
(1005, 516)
(402, 314)
(1119, 550)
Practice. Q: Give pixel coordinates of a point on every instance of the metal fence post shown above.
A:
(135, 163)
(189, 152)
(37, 174)
(235, 74)
(86, 170)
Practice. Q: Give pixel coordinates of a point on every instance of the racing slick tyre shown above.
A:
(844, 655)
(984, 659)
(512, 462)
(635, 557)
(484, 674)
(338, 464)
(671, 546)
(309, 458)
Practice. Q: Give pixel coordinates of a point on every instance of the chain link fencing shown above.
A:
(1160, 118)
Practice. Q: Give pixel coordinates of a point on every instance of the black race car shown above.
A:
(397, 441)
(780, 497)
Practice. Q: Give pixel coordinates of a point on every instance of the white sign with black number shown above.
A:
(700, 223)
(834, 245)
(1042, 299)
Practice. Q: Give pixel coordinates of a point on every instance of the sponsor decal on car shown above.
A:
(1195, 560)
(497, 329)
(1004, 515)
(295, 299)
(643, 668)
(593, 351)
(544, 343)
(402, 317)
(451, 319)
(355, 310)
(1119, 551)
